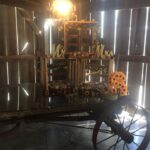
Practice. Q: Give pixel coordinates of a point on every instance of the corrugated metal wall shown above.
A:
(127, 32)
(17, 77)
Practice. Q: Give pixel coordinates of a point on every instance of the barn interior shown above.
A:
(65, 65)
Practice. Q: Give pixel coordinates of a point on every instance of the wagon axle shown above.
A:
(119, 130)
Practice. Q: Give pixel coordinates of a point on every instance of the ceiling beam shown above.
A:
(100, 5)
(95, 5)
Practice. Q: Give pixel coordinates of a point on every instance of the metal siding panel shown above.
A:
(109, 30)
(13, 72)
(140, 30)
(26, 71)
(147, 98)
(11, 31)
(148, 38)
(123, 32)
(134, 80)
(2, 45)
(133, 31)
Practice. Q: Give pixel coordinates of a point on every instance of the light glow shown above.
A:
(25, 46)
(62, 8)
(124, 114)
(40, 32)
(25, 91)
(145, 87)
(50, 99)
(102, 23)
(140, 95)
(127, 73)
(7, 70)
(48, 23)
(146, 29)
(8, 96)
(115, 32)
(130, 29)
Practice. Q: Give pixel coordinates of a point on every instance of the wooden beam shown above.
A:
(18, 57)
(27, 4)
(133, 58)
(100, 5)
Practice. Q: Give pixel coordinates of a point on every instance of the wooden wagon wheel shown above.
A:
(126, 126)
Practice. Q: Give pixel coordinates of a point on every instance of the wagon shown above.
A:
(119, 123)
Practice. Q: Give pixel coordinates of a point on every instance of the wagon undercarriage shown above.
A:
(118, 124)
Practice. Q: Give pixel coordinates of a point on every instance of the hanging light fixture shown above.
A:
(62, 8)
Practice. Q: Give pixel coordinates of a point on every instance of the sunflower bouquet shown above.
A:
(117, 83)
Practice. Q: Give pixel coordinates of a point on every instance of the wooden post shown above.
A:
(46, 78)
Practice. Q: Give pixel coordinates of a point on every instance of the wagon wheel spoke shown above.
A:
(132, 120)
(127, 146)
(106, 139)
(114, 145)
(136, 144)
(124, 116)
(118, 118)
(139, 129)
(138, 135)
(124, 145)
(105, 131)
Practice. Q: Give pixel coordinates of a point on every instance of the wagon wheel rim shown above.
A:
(139, 115)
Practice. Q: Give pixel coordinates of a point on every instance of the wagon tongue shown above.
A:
(119, 130)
